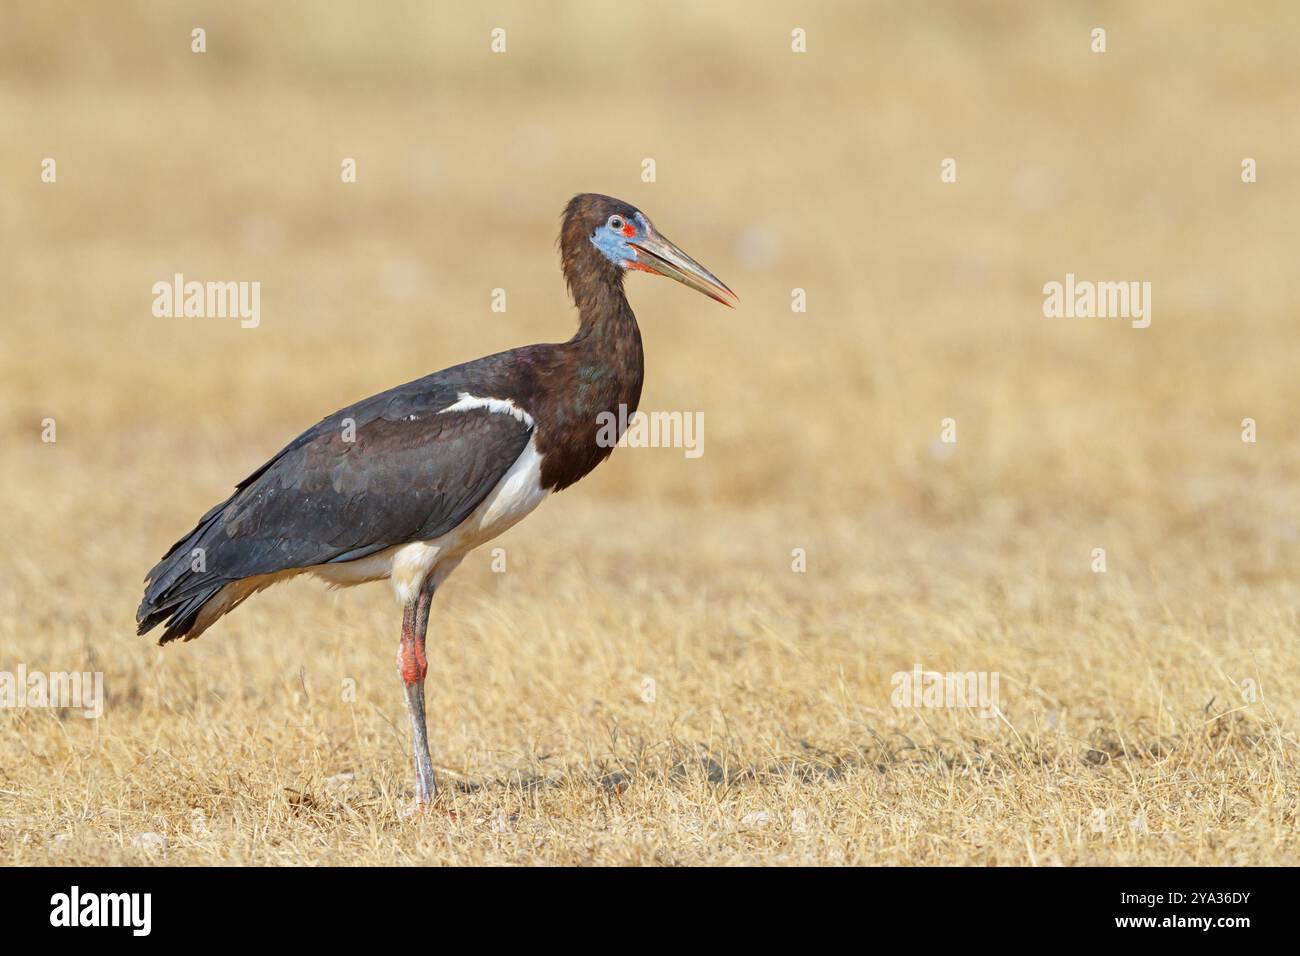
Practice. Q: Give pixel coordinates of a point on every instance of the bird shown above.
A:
(404, 484)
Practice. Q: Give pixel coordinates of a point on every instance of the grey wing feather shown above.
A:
(411, 472)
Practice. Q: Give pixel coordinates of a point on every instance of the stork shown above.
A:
(402, 485)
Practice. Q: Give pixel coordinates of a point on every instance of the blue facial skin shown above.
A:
(613, 244)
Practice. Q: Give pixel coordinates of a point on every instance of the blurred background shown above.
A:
(779, 171)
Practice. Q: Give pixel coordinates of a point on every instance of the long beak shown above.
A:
(656, 254)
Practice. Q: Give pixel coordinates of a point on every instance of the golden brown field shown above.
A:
(1162, 692)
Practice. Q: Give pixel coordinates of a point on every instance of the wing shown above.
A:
(401, 466)
(334, 499)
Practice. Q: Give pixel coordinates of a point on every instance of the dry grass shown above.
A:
(772, 738)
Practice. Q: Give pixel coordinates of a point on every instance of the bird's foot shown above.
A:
(424, 808)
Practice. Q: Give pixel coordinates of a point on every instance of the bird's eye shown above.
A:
(616, 223)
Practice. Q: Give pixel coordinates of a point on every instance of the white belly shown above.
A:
(407, 565)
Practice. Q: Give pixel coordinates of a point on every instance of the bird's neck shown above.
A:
(606, 322)
(611, 364)
(604, 368)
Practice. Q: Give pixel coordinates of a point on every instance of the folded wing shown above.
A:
(406, 465)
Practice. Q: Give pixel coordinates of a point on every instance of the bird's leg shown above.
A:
(412, 665)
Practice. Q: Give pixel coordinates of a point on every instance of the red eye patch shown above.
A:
(629, 230)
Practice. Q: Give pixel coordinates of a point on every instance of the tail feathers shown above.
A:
(176, 593)
(181, 615)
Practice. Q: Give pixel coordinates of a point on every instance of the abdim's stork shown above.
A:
(404, 484)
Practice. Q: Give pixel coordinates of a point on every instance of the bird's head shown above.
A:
(625, 239)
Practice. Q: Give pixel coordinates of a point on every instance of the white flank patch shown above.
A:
(408, 565)
(517, 493)
(411, 563)
(502, 406)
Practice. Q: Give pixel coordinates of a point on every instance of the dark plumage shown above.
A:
(438, 464)
(410, 475)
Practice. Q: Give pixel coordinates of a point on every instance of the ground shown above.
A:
(681, 660)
